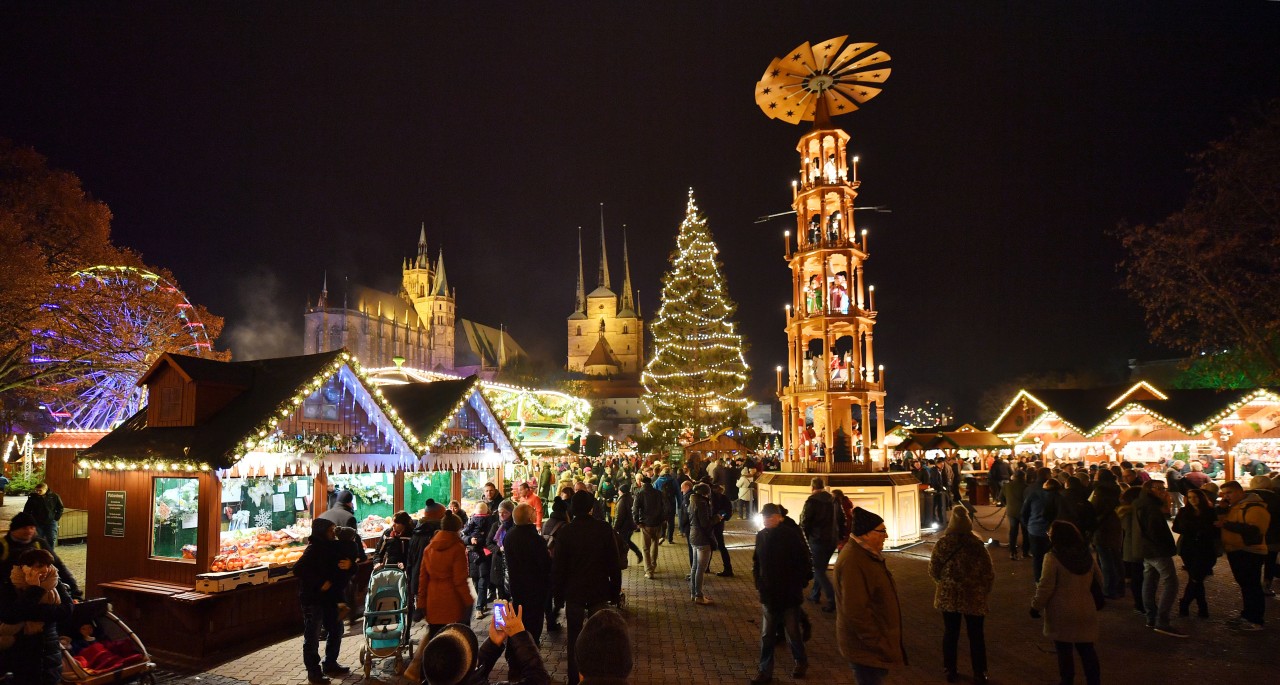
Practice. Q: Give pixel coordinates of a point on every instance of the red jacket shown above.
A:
(443, 592)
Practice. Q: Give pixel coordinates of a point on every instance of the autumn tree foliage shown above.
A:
(52, 327)
(1208, 276)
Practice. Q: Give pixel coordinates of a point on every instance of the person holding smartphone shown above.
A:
(452, 657)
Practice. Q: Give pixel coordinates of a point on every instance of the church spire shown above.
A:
(423, 261)
(441, 285)
(324, 292)
(604, 259)
(581, 305)
(628, 301)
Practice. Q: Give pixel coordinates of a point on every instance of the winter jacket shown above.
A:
(393, 549)
(1039, 509)
(35, 659)
(670, 494)
(1157, 539)
(478, 528)
(444, 595)
(341, 515)
(1198, 540)
(962, 570)
(780, 565)
(1131, 549)
(1066, 598)
(585, 567)
(495, 544)
(1245, 525)
(820, 519)
(1014, 495)
(318, 565)
(1105, 499)
(868, 615)
(528, 565)
(46, 508)
(702, 522)
(11, 550)
(624, 523)
(1272, 499)
(721, 509)
(649, 509)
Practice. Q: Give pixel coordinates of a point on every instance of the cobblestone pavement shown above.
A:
(677, 641)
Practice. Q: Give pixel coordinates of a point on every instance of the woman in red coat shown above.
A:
(443, 592)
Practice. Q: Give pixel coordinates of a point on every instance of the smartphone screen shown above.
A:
(500, 614)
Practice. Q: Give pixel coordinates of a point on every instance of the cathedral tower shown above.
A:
(605, 330)
(427, 288)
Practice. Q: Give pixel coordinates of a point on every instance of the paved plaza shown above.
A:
(676, 641)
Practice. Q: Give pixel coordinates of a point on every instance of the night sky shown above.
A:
(253, 147)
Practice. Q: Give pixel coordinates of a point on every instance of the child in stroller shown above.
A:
(386, 619)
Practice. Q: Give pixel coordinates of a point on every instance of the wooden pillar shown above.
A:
(884, 449)
(455, 486)
(865, 427)
(320, 492)
(397, 491)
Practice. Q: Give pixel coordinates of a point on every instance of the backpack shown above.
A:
(551, 536)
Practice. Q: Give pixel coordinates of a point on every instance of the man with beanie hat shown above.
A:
(21, 537)
(702, 539)
(320, 572)
(342, 513)
(584, 571)
(821, 520)
(452, 657)
(780, 567)
(528, 568)
(650, 512)
(868, 615)
(604, 649)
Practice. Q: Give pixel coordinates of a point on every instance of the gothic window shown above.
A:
(579, 330)
(625, 331)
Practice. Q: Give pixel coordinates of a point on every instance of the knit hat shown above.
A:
(22, 520)
(865, 521)
(345, 497)
(772, 509)
(604, 647)
(450, 522)
(450, 655)
(559, 506)
(434, 512)
(581, 504)
(320, 529)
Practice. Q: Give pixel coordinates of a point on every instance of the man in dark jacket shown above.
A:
(670, 489)
(1158, 549)
(585, 569)
(820, 523)
(528, 568)
(343, 511)
(682, 504)
(780, 578)
(1039, 509)
(997, 476)
(650, 513)
(551, 527)
(46, 507)
(320, 573)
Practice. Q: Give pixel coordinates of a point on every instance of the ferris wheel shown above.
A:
(126, 317)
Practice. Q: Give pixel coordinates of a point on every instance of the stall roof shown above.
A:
(271, 383)
(425, 406)
(716, 443)
(1192, 407)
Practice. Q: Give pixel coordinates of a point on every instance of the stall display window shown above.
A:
(374, 499)
(175, 506)
(473, 488)
(264, 521)
(420, 487)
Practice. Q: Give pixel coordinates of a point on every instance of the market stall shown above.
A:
(200, 504)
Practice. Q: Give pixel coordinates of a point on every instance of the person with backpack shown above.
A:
(821, 521)
(1244, 530)
(650, 512)
(666, 484)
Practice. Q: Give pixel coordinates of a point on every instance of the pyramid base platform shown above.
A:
(894, 496)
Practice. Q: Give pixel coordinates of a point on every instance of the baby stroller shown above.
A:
(106, 650)
(386, 619)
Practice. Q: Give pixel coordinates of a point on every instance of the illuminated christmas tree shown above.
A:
(696, 377)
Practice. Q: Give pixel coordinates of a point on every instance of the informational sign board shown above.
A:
(114, 516)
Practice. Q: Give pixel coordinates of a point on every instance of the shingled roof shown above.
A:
(268, 383)
(424, 407)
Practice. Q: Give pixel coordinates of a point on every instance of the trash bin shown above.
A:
(926, 509)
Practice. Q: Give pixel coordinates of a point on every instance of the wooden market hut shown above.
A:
(159, 513)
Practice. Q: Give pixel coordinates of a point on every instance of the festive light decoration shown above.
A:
(697, 374)
(928, 414)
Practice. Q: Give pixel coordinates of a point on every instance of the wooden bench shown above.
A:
(146, 587)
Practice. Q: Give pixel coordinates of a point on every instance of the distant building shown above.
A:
(418, 324)
(606, 346)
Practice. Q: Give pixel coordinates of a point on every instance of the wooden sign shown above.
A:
(114, 514)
